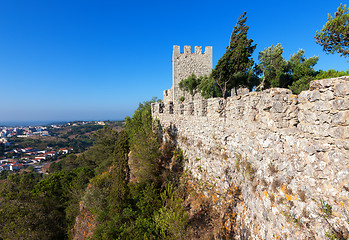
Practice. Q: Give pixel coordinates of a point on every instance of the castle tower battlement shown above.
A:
(187, 63)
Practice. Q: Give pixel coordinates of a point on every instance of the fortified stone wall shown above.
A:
(183, 65)
(288, 154)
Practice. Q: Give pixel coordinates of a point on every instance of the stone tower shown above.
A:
(184, 64)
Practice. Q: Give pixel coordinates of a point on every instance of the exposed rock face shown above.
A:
(85, 224)
(288, 154)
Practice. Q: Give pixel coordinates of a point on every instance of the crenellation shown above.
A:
(176, 50)
(208, 51)
(187, 49)
(198, 50)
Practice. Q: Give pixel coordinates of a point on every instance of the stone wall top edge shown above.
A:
(327, 83)
(314, 86)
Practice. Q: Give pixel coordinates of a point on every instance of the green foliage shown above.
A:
(83, 129)
(99, 157)
(31, 168)
(301, 71)
(208, 87)
(301, 84)
(60, 184)
(273, 67)
(326, 208)
(66, 188)
(131, 220)
(67, 163)
(128, 210)
(301, 66)
(144, 143)
(24, 215)
(34, 206)
(205, 85)
(4, 174)
(2, 149)
(120, 174)
(103, 149)
(189, 84)
(96, 194)
(331, 74)
(295, 74)
(233, 67)
(172, 218)
(334, 36)
(114, 182)
(146, 198)
(330, 235)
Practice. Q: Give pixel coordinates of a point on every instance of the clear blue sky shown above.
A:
(96, 60)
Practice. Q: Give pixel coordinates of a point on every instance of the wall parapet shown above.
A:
(325, 106)
(298, 147)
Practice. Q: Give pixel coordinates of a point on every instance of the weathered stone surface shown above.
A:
(322, 106)
(294, 150)
(326, 83)
(341, 118)
(313, 96)
(341, 104)
(340, 132)
(341, 90)
(342, 144)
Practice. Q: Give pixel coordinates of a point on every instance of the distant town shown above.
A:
(34, 147)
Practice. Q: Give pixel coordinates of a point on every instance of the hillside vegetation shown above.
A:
(128, 182)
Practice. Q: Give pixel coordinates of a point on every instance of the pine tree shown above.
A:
(334, 36)
(273, 67)
(233, 68)
(301, 71)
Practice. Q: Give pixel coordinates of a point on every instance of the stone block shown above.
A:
(339, 132)
(342, 144)
(324, 118)
(277, 91)
(337, 156)
(340, 118)
(341, 89)
(322, 106)
(242, 91)
(303, 96)
(310, 117)
(320, 84)
(327, 95)
(341, 104)
(318, 130)
(310, 96)
(278, 107)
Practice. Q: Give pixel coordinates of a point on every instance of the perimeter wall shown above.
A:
(288, 154)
